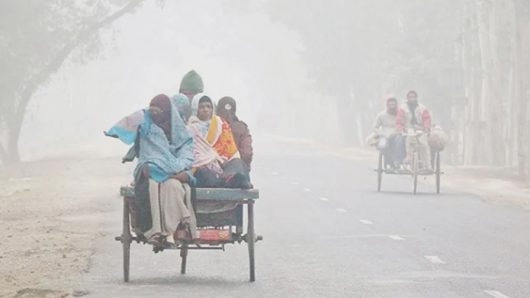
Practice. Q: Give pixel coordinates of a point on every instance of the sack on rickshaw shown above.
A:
(372, 140)
(438, 139)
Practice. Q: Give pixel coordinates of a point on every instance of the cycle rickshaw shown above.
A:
(216, 229)
(414, 170)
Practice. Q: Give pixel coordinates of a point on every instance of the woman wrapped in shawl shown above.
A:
(164, 148)
(217, 162)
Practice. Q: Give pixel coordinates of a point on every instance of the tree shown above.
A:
(36, 37)
(360, 51)
(468, 58)
(522, 84)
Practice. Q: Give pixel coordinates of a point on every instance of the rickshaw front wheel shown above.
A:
(438, 172)
(379, 171)
(415, 166)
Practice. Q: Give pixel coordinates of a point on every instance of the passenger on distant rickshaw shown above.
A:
(415, 119)
(388, 136)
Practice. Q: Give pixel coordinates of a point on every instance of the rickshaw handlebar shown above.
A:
(415, 133)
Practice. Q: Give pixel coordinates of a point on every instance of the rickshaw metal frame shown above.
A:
(242, 197)
(415, 172)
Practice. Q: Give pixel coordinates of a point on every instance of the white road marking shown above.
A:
(324, 199)
(495, 294)
(294, 183)
(275, 173)
(366, 222)
(307, 189)
(435, 260)
(342, 210)
(355, 236)
(396, 237)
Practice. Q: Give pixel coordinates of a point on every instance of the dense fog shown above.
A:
(380, 148)
(315, 69)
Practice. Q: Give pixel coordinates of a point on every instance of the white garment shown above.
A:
(170, 205)
(386, 124)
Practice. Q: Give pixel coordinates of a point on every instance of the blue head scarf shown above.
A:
(182, 103)
(165, 157)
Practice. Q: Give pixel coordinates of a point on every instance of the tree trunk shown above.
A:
(17, 117)
(496, 108)
(492, 112)
(12, 155)
(3, 155)
(522, 78)
(474, 139)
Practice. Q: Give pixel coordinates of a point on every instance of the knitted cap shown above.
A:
(191, 82)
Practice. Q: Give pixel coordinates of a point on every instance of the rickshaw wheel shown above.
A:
(251, 239)
(379, 171)
(184, 258)
(415, 166)
(126, 240)
(438, 172)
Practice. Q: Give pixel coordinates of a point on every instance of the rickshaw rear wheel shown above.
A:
(379, 171)
(126, 240)
(251, 240)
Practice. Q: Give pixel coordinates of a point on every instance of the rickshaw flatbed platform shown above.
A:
(414, 171)
(209, 194)
(215, 224)
(407, 172)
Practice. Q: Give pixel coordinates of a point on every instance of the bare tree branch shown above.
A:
(17, 118)
(61, 56)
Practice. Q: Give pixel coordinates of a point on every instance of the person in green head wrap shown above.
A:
(191, 84)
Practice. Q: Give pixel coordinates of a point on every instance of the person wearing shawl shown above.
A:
(164, 148)
(217, 162)
(226, 108)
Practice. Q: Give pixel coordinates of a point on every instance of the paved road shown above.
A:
(329, 234)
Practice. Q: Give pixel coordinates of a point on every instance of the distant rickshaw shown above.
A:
(415, 166)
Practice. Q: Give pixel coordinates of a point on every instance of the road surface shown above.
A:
(328, 233)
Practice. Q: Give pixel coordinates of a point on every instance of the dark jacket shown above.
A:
(243, 140)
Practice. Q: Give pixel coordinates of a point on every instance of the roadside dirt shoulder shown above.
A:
(482, 182)
(50, 217)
